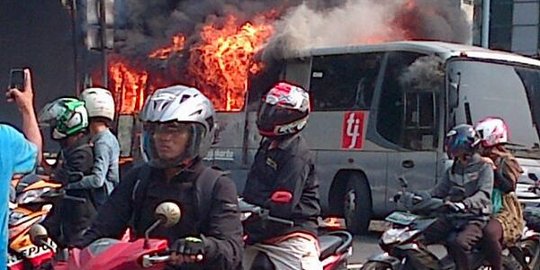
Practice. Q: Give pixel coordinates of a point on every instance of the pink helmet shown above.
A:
(492, 131)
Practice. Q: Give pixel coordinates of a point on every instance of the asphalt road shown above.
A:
(363, 247)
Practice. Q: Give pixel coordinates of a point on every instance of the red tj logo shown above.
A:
(353, 130)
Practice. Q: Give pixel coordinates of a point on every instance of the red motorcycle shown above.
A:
(113, 254)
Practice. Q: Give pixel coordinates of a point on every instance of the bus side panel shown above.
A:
(338, 140)
(229, 153)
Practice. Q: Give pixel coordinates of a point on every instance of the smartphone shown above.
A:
(16, 79)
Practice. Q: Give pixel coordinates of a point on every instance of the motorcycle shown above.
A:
(404, 250)
(33, 198)
(335, 245)
(108, 253)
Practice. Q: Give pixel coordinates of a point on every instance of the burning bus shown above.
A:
(381, 111)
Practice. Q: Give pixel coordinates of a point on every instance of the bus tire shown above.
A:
(357, 207)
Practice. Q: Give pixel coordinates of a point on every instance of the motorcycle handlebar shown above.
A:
(457, 208)
(262, 213)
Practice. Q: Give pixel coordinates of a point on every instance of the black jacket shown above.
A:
(221, 230)
(287, 167)
(70, 218)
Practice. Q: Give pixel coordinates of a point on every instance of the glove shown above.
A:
(190, 246)
(456, 206)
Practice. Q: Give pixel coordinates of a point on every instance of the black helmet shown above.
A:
(460, 140)
(284, 111)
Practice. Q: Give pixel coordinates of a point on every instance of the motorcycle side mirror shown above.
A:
(403, 182)
(453, 92)
(167, 215)
(39, 235)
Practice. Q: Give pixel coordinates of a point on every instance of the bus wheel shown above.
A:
(357, 205)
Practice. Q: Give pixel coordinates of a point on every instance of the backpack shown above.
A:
(204, 186)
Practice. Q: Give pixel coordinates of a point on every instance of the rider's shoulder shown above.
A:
(136, 172)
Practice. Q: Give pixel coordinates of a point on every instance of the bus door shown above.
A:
(408, 119)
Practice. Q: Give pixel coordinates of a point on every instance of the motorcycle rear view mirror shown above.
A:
(167, 215)
(39, 235)
(403, 182)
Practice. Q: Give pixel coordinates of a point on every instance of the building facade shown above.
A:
(514, 25)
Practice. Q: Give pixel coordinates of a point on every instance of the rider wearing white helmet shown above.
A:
(506, 223)
(105, 176)
(178, 130)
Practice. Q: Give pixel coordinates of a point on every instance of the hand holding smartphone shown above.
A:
(16, 79)
(20, 88)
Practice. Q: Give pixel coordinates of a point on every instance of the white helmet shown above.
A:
(180, 104)
(99, 102)
(492, 131)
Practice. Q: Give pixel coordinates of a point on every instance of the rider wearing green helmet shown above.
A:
(67, 119)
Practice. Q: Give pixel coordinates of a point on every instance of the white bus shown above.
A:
(380, 111)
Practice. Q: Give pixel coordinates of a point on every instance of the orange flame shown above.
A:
(178, 42)
(219, 65)
(222, 61)
(128, 87)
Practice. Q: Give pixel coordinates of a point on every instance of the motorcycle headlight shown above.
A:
(397, 235)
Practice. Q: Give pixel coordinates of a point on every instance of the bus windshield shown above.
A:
(508, 91)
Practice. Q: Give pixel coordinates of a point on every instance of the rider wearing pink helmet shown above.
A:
(506, 223)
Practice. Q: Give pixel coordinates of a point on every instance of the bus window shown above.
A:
(406, 113)
(420, 121)
(344, 82)
(297, 71)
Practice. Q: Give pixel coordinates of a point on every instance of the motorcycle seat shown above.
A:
(329, 245)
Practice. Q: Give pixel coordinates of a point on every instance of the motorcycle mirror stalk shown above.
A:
(167, 215)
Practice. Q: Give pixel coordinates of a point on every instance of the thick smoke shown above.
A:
(151, 24)
(369, 21)
(425, 74)
(300, 24)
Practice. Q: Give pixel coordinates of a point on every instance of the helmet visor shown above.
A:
(272, 118)
(171, 144)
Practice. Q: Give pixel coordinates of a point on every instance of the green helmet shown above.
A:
(65, 116)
